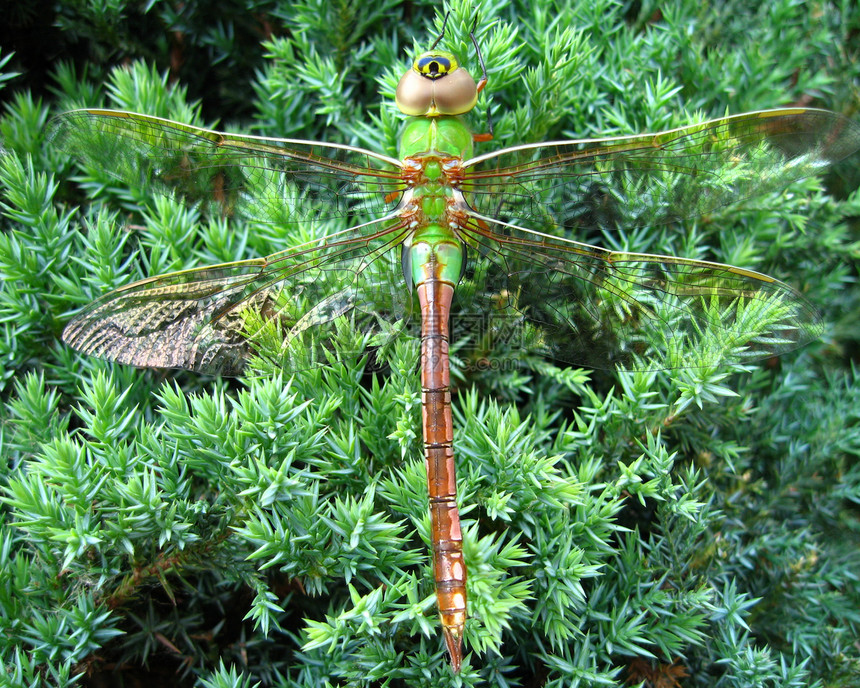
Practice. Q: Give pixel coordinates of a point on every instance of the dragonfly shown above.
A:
(403, 234)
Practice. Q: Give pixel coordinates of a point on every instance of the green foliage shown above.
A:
(6, 76)
(273, 531)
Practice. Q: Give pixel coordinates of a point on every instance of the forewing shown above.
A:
(657, 178)
(227, 175)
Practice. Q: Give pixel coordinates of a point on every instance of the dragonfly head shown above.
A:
(436, 85)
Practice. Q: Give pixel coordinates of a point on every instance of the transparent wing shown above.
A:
(579, 303)
(597, 308)
(213, 319)
(257, 178)
(649, 179)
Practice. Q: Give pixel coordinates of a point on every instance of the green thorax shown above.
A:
(445, 136)
(434, 250)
